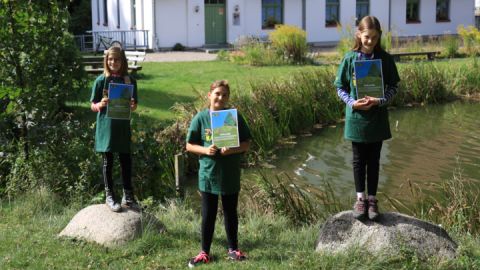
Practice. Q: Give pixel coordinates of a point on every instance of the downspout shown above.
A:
(154, 27)
(304, 11)
(389, 15)
(186, 30)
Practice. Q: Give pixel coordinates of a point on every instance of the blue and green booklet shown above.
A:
(225, 128)
(119, 96)
(369, 78)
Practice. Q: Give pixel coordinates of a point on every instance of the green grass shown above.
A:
(161, 85)
(29, 228)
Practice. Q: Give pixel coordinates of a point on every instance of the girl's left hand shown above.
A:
(133, 105)
(225, 151)
(372, 100)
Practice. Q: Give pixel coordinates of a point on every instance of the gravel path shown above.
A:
(179, 56)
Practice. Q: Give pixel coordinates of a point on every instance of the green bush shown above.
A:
(290, 42)
(450, 46)
(178, 47)
(346, 41)
(471, 39)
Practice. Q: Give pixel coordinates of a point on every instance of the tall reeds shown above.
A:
(284, 195)
(279, 108)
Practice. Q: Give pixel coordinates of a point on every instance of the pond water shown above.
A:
(428, 145)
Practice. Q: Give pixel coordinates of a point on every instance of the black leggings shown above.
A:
(209, 214)
(125, 165)
(366, 161)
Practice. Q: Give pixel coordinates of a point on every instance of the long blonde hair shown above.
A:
(372, 23)
(116, 52)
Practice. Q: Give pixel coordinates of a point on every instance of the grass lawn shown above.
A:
(29, 228)
(161, 85)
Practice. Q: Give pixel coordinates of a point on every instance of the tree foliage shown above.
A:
(40, 71)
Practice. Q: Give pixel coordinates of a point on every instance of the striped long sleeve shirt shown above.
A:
(390, 92)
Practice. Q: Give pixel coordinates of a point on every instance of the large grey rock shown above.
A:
(390, 233)
(96, 223)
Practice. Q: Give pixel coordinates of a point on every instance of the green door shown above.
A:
(215, 22)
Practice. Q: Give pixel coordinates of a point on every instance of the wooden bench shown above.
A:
(94, 63)
(430, 55)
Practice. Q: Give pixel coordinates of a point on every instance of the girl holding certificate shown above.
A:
(366, 119)
(114, 135)
(218, 175)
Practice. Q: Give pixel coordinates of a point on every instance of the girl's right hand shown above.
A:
(211, 150)
(103, 102)
(363, 104)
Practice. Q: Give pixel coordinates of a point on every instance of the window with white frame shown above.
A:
(272, 13)
(413, 11)
(105, 13)
(443, 10)
(363, 9)
(332, 12)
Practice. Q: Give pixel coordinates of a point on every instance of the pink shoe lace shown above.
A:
(201, 257)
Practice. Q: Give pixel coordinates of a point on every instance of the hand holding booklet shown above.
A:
(369, 78)
(119, 98)
(225, 128)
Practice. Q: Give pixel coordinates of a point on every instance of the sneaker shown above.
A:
(111, 203)
(373, 209)
(202, 257)
(236, 255)
(360, 209)
(128, 200)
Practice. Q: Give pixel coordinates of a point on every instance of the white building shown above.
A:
(197, 23)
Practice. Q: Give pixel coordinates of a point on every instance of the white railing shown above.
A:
(101, 40)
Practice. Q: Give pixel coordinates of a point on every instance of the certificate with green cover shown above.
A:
(369, 78)
(119, 97)
(225, 128)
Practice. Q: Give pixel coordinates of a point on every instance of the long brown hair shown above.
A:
(116, 52)
(220, 83)
(368, 23)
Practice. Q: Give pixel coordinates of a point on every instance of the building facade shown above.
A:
(198, 23)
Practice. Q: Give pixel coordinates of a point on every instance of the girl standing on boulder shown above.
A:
(219, 174)
(366, 119)
(114, 135)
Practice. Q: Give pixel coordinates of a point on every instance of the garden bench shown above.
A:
(94, 64)
(430, 54)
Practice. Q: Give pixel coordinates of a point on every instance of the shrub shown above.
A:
(223, 55)
(345, 43)
(471, 39)
(450, 46)
(290, 42)
(178, 47)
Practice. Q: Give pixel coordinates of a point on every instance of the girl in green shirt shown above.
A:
(114, 135)
(366, 119)
(219, 173)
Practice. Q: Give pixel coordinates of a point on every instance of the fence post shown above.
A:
(179, 173)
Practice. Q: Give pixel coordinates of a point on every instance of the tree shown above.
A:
(39, 65)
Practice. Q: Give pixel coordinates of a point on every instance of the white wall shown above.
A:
(172, 21)
(292, 13)
(460, 13)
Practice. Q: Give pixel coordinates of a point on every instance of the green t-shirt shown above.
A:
(111, 135)
(217, 174)
(372, 125)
